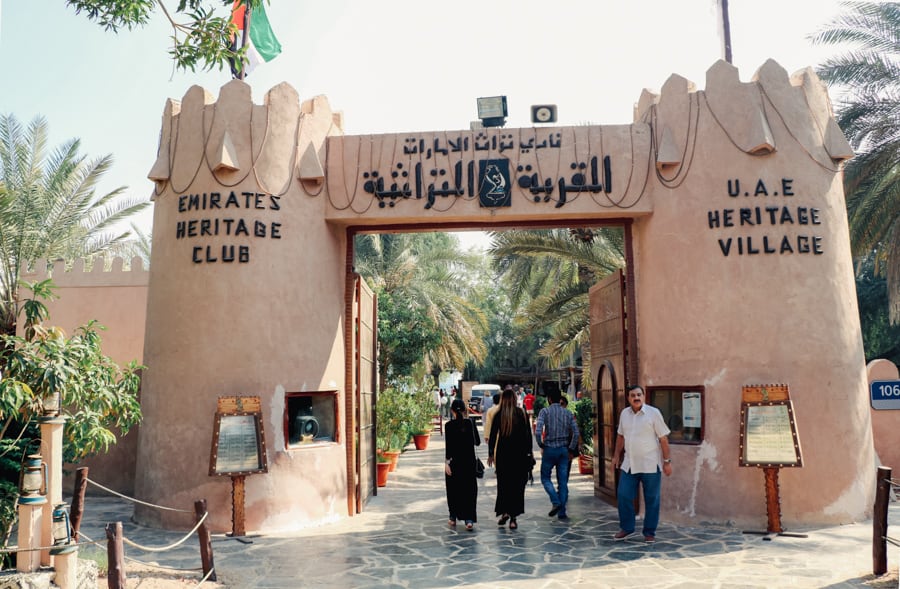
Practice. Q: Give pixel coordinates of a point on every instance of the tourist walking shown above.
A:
(643, 435)
(459, 466)
(445, 404)
(509, 450)
(557, 435)
(488, 416)
(528, 404)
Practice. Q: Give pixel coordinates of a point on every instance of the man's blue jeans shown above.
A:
(558, 458)
(628, 488)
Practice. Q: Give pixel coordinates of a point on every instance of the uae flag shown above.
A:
(262, 46)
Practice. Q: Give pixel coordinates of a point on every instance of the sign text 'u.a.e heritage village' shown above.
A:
(756, 204)
(232, 219)
(770, 206)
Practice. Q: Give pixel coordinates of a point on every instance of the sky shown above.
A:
(390, 66)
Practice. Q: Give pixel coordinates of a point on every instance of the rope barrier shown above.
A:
(891, 540)
(153, 565)
(169, 547)
(15, 549)
(108, 490)
(206, 576)
(161, 567)
(129, 542)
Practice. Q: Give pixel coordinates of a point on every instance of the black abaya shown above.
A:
(513, 461)
(462, 487)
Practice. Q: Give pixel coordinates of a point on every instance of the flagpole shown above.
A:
(726, 30)
(247, 10)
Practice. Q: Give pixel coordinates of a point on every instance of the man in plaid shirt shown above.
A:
(557, 436)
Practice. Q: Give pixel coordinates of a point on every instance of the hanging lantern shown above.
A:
(62, 531)
(33, 480)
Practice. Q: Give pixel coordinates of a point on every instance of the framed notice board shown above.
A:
(239, 443)
(768, 429)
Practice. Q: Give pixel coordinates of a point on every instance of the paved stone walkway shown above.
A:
(403, 541)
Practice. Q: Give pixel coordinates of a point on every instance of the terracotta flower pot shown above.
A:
(585, 464)
(383, 469)
(394, 456)
(421, 440)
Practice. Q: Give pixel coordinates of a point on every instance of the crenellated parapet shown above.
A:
(233, 140)
(746, 113)
(97, 274)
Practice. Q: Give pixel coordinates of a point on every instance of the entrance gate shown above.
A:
(734, 199)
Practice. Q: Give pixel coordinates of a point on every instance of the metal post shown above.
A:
(726, 31)
(880, 521)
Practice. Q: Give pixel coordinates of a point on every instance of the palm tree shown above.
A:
(49, 208)
(869, 113)
(548, 275)
(422, 278)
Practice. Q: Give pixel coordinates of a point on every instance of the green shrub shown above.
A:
(583, 409)
(540, 402)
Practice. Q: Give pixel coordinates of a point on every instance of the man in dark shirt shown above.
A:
(557, 435)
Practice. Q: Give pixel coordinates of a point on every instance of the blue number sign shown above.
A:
(885, 394)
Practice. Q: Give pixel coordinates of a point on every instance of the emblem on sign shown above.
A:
(494, 183)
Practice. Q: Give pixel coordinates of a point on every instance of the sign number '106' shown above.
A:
(885, 394)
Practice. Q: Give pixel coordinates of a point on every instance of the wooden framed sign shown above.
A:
(238, 444)
(768, 429)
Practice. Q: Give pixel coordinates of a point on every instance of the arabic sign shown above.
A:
(553, 166)
(885, 394)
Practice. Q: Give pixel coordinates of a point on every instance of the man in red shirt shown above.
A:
(528, 402)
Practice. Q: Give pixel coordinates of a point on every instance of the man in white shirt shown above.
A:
(643, 435)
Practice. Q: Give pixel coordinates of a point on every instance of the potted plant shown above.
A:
(422, 409)
(392, 415)
(583, 409)
(383, 464)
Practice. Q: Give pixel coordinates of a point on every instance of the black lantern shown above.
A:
(62, 531)
(33, 480)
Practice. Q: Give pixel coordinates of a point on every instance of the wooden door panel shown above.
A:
(608, 354)
(365, 320)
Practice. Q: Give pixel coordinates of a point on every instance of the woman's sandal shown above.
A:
(503, 519)
(513, 525)
(470, 526)
(451, 522)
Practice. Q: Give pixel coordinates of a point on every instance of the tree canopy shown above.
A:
(427, 317)
(548, 275)
(201, 35)
(868, 74)
(49, 207)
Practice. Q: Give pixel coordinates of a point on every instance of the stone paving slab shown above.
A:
(403, 541)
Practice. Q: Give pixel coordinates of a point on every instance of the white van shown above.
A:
(479, 392)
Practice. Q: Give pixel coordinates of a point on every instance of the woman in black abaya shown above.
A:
(510, 450)
(461, 435)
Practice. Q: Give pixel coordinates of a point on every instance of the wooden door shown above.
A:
(608, 360)
(365, 311)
